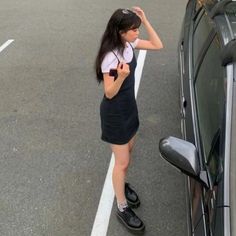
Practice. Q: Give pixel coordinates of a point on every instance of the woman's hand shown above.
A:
(123, 70)
(112, 87)
(140, 13)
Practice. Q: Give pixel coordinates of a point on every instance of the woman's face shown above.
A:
(130, 35)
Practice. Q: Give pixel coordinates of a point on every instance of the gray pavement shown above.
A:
(52, 161)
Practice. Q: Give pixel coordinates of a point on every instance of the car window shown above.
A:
(209, 88)
(231, 13)
(202, 29)
(210, 100)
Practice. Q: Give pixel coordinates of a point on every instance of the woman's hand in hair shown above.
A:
(123, 70)
(153, 42)
(140, 13)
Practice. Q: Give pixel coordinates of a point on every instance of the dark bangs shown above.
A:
(129, 21)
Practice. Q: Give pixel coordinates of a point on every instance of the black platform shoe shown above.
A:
(130, 220)
(131, 196)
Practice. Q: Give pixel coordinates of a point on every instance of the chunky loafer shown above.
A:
(131, 196)
(130, 219)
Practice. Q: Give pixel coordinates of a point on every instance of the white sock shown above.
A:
(122, 205)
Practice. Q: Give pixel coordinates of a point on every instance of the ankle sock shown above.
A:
(121, 206)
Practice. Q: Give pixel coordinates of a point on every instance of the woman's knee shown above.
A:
(122, 156)
(122, 165)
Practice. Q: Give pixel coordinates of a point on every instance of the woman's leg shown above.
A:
(131, 195)
(122, 158)
(125, 213)
(131, 144)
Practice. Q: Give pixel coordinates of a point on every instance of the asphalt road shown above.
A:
(52, 161)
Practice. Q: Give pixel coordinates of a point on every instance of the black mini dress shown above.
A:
(119, 115)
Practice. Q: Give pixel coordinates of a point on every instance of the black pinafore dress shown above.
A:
(119, 115)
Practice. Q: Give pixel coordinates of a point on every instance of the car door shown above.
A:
(193, 14)
(209, 103)
(193, 43)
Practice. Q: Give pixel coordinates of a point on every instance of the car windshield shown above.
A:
(231, 13)
(231, 8)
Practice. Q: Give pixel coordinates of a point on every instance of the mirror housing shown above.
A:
(182, 154)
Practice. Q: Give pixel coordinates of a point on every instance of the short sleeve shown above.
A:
(135, 43)
(109, 62)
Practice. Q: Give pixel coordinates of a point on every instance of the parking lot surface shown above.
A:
(52, 161)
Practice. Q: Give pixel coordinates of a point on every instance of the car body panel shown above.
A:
(233, 162)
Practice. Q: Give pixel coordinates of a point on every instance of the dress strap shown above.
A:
(116, 56)
(131, 46)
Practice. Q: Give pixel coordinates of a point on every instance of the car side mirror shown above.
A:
(182, 154)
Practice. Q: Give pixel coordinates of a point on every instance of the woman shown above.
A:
(115, 66)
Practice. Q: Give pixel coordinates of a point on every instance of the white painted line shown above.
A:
(139, 70)
(102, 218)
(6, 44)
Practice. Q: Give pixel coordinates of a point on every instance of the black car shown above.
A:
(206, 153)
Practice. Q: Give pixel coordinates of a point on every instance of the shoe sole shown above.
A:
(140, 229)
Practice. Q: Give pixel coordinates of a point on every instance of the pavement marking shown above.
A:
(102, 218)
(6, 44)
(139, 70)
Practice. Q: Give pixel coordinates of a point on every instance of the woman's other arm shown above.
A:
(153, 42)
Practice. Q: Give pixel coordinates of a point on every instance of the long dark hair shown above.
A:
(121, 21)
